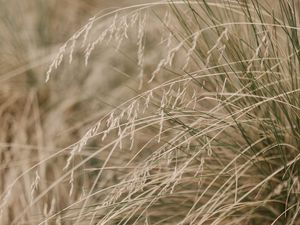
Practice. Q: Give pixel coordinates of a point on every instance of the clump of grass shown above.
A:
(212, 135)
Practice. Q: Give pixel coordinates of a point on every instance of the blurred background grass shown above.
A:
(38, 118)
(31, 32)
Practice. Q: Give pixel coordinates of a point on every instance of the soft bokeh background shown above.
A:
(38, 119)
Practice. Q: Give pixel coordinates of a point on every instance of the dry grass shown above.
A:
(180, 112)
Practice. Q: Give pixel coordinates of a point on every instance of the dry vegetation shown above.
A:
(179, 112)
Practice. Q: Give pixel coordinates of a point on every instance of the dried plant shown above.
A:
(211, 134)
